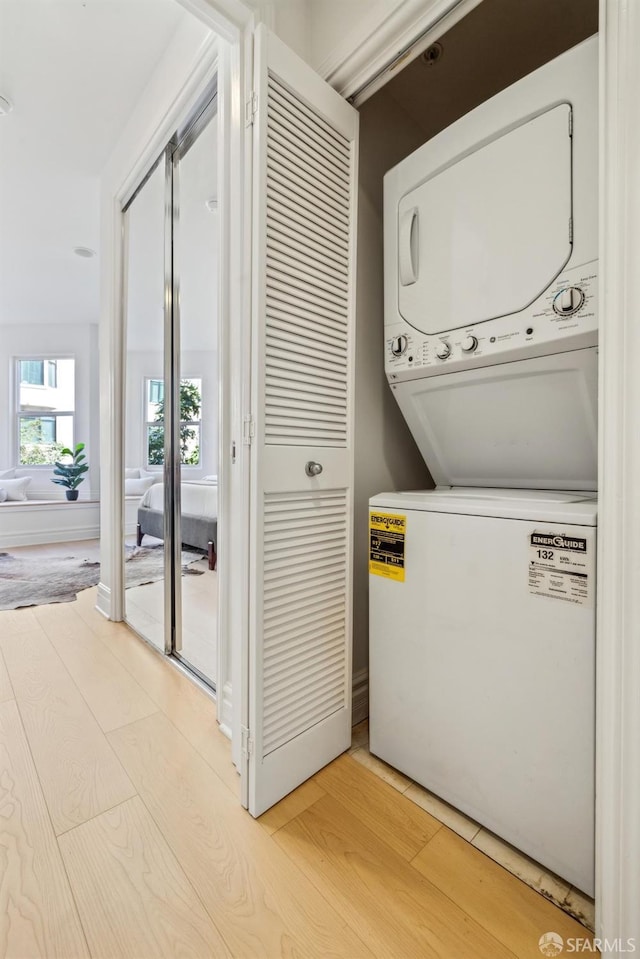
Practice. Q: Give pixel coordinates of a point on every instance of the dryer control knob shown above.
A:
(398, 345)
(443, 350)
(568, 301)
(469, 344)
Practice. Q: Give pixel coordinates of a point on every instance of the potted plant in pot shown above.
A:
(72, 473)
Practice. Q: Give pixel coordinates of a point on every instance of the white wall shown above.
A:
(320, 30)
(76, 340)
(291, 21)
(334, 24)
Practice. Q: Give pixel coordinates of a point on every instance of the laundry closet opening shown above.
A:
(473, 383)
(495, 45)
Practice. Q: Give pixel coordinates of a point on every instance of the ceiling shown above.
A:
(74, 70)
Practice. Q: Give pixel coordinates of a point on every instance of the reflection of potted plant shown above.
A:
(71, 473)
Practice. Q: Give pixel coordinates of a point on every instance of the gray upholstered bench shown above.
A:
(198, 531)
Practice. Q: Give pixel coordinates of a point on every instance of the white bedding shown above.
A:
(196, 500)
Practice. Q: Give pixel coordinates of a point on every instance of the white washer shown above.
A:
(482, 660)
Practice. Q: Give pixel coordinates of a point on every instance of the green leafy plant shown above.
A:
(71, 473)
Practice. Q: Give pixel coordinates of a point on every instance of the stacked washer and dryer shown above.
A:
(482, 591)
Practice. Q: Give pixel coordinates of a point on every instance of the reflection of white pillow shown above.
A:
(137, 487)
(3, 494)
(16, 488)
(154, 477)
(7, 474)
(131, 474)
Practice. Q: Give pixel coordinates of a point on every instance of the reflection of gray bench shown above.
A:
(195, 531)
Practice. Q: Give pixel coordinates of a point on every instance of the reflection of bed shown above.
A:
(199, 516)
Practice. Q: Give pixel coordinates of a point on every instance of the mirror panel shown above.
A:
(196, 267)
(144, 302)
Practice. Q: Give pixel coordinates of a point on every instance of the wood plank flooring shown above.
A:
(79, 773)
(38, 915)
(133, 897)
(121, 833)
(6, 690)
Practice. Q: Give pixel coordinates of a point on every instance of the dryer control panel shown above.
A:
(563, 318)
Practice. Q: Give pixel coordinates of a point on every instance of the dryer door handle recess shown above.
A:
(408, 237)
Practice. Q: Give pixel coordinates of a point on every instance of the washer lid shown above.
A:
(485, 235)
(531, 424)
(544, 506)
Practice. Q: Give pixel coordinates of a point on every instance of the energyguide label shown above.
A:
(387, 535)
(561, 567)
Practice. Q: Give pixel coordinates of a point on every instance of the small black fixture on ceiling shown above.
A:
(432, 54)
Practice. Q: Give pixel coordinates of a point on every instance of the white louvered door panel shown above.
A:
(305, 154)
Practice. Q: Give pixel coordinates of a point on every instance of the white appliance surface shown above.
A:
(491, 233)
(482, 685)
(530, 423)
(574, 508)
(480, 222)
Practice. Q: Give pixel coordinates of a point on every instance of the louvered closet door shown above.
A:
(305, 146)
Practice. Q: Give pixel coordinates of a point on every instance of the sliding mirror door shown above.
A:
(146, 544)
(195, 264)
(171, 419)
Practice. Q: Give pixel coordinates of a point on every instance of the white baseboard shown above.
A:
(131, 504)
(103, 602)
(224, 709)
(360, 696)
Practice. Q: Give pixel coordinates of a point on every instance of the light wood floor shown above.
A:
(121, 833)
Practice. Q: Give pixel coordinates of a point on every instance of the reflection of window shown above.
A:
(190, 421)
(41, 428)
(46, 407)
(33, 372)
(156, 391)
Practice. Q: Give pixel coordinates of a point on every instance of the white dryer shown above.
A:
(482, 611)
(491, 246)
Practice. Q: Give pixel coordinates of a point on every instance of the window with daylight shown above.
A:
(190, 421)
(39, 373)
(46, 408)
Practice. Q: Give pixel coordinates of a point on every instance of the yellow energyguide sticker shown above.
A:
(387, 533)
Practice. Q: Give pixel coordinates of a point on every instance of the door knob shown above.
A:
(313, 469)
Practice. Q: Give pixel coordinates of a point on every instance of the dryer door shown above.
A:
(486, 235)
(546, 409)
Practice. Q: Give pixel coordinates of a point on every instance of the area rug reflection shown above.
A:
(29, 581)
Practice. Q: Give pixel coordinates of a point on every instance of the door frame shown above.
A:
(618, 621)
(618, 708)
